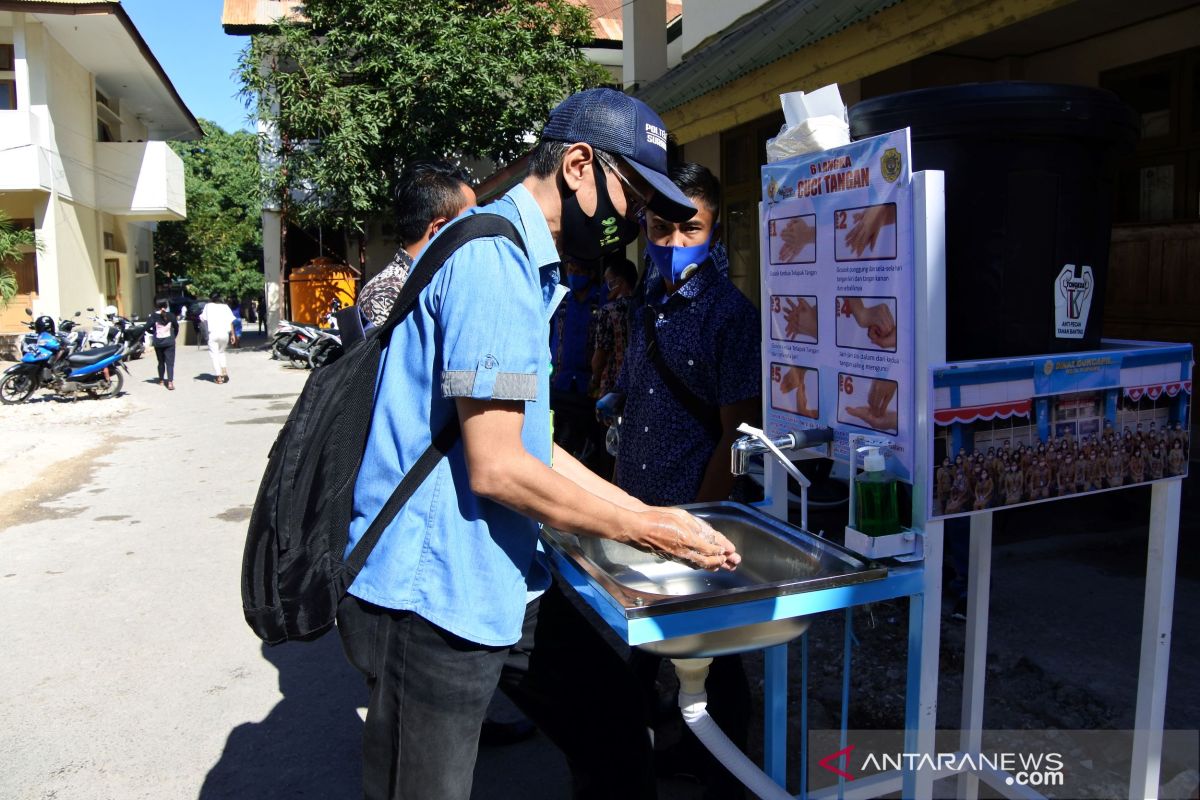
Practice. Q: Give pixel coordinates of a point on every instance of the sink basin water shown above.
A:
(777, 559)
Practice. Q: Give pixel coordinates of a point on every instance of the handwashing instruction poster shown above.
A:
(838, 291)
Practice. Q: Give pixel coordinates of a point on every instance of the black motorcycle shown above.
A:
(133, 333)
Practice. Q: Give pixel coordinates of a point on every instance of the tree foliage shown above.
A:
(13, 241)
(366, 86)
(219, 246)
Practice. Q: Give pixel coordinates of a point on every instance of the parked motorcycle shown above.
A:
(133, 334)
(292, 342)
(104, 332)
(326, 349)
(52, 365)
(67, 328)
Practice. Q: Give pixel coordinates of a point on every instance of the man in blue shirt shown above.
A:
(430, 618)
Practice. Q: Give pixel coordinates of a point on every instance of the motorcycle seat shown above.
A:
(85, 357)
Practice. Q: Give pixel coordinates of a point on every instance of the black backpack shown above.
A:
(293, 572)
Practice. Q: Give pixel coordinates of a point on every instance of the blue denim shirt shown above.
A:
(478, 330)
(708, 333)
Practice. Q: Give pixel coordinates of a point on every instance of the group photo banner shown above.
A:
(1010, 432)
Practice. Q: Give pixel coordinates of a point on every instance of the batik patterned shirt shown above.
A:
(377, 297)
(610, 331)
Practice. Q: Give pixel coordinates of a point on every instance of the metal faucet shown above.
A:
(756, 441)
(751, 445)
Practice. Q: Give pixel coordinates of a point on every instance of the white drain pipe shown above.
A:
(693, 702)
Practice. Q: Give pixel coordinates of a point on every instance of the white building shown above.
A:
(85, 110)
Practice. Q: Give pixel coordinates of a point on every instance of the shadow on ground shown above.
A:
(310, 743)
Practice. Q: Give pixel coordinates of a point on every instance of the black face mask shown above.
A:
(591, 238)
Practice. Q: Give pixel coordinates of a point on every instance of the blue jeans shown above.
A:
(429, 692)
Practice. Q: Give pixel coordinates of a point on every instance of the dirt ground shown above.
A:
(1064, 634)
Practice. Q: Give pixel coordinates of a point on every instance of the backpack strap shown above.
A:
(476, 226)
(696, 407)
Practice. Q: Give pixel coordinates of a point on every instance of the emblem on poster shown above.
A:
(1073, 290)
(891, 164)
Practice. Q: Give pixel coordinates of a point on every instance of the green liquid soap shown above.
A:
(877, 504)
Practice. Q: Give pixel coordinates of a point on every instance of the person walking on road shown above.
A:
(164, 327)
(218, 320)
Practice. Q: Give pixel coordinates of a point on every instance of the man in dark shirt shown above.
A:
(429, 194)
(682, 408)
(575, 428)
(675, 448)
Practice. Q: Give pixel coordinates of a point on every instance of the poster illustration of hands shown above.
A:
(838, 290)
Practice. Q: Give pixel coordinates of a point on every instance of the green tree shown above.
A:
(13, 240)
(219, 246)
(363, 87)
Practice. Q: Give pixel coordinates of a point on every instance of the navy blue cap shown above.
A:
(625, 126)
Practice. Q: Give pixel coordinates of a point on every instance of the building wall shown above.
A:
(137, 295)
(75, 258)
(1082, 62)
(72, 130)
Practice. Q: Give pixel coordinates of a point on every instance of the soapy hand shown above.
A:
(678, 535)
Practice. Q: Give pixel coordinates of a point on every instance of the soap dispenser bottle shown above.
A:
(877, 499)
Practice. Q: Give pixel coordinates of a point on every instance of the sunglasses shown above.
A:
(635, 199)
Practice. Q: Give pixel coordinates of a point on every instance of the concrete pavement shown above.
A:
(127, 669)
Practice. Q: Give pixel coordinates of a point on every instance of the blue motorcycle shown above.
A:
(51, 363)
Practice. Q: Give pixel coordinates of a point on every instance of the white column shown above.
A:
(644, 41)
(272, 268)
(45, 223)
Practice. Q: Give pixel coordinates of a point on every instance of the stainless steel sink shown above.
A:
(777, 559)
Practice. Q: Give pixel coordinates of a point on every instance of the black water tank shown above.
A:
(1030, 171)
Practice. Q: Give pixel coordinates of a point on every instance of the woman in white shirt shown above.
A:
(218, 320)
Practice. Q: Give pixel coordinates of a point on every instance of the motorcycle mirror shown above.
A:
(78, 313)
(28, 311)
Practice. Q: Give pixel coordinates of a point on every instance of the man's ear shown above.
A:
(435, 225)
(576, 161)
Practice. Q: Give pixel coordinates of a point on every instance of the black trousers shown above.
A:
(729, 703)
(429, 692)
(166, 361)
(582, 695)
